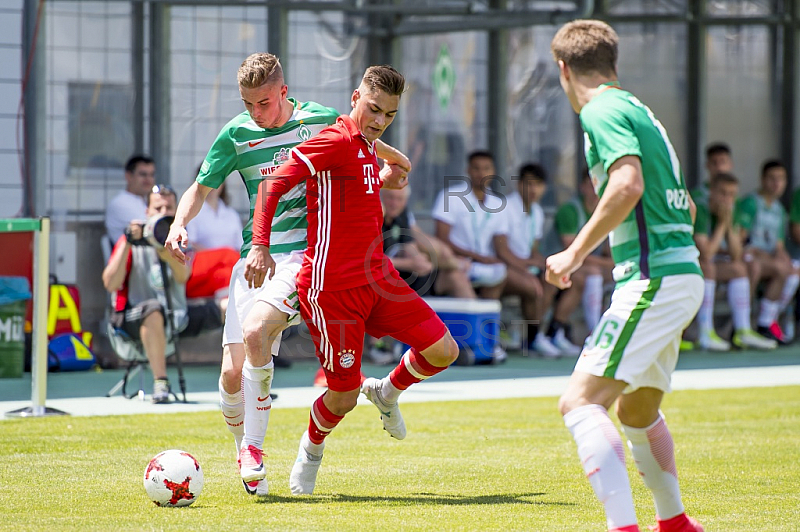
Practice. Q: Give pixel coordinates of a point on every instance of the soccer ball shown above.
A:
(173, 478)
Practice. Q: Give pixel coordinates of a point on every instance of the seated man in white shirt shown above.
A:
(469, 217)
(129, 204)
(520, 248)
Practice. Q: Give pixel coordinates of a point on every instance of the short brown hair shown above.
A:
(385, 78)
(587, 46)
(723, 179)
(258, 69)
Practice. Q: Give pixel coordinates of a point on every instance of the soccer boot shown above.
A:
(712, 342)
(749, 339)
(390, 413)
(774, 332)
(679, 523)
(303, 477)
(563, 344)
(252, 464)
(257, 487)
(542, 345)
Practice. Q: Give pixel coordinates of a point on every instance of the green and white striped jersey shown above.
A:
(656, 238)
(256, 153)
(765, 223)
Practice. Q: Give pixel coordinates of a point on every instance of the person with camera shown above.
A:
(137, 272)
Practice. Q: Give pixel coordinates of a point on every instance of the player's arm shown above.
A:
(190, 204)
(623, 191)
(115, 271)
(392, 155)
(735, 244)
(259, 264)
(181, 270)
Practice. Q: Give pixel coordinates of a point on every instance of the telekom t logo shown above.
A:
(369, 178)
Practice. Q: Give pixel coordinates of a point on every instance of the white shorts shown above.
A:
(481, 274)
(280, 292)
(638, 337)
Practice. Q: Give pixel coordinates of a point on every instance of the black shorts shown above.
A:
(129, 321)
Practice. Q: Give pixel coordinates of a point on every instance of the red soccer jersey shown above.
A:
(345, 241)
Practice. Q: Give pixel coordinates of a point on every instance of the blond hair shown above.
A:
(587, 46)
(385, 78)
(258, 69)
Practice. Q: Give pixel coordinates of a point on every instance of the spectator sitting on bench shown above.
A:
(467, 219)
(718, 237)
(425, 262)
(133, 276)
(130, 204)
(718, 161)
(763, 220)
(519, 247)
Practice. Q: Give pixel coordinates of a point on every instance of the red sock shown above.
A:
(321, 421)
(412, 369)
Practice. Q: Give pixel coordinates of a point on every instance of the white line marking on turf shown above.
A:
(303, 397)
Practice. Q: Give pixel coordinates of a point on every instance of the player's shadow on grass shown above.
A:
(417, 499)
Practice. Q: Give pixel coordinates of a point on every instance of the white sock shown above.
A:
(311, 447)
(232, 407)
(602, 454)
(592, 300)
(768, 313)
(257, 402)
(705, 316)
(653, 452)
(789, 288)
(739, 300)
(388, 391)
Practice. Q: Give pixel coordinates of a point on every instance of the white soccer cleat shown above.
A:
(251, 464)
(390, 413)
(259, 488)
(542, 345)
(303, 477)
(563, 344)
(712, 342)
(748, 338)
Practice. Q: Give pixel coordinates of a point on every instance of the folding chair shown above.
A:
(132, 352)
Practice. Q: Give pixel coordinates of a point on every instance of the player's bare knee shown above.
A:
(231, 379)
(340, 403)
(450, 348)
(635, 416)
(565, 405)
(709, 269)
(738, 269)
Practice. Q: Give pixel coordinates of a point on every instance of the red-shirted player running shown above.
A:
(346, 285)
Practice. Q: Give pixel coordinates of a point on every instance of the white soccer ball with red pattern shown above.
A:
(173, 478)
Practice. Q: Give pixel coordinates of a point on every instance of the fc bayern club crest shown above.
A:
(347, 358)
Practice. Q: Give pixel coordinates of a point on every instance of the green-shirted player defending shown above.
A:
(763, 220)
(647, 213)
(255, 143)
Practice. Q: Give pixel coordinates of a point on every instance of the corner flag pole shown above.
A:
(41, 294)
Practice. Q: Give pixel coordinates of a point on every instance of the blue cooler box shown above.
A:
(473, 323)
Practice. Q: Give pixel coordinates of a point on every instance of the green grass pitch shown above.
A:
(480, 465)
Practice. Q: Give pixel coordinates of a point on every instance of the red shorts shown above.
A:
(338, 320)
